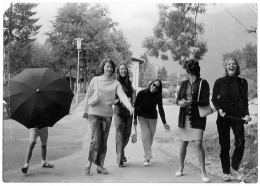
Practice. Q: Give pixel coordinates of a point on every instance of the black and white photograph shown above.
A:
(129, 91)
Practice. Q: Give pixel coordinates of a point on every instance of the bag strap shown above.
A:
(97, 82)
(199, 90)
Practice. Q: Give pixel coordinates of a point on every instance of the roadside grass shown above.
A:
(249, 164)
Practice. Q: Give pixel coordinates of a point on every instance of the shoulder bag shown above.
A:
(203, 110)
(95, 95)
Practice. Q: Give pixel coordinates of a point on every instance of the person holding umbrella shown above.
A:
(122, 117)
(37, 98)
(230, 98)
(100, 112)
(34, 133)
(145, 108)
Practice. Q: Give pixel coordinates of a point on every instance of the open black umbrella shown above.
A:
(38, 97)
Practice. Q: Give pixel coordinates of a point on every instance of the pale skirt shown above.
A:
(190, 134)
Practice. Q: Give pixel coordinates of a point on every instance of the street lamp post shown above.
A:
(79, 40)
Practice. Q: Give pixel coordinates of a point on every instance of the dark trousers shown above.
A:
(99, 127)
(224, 141)
(123, 132)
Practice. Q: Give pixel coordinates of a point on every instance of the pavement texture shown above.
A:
(70, 169)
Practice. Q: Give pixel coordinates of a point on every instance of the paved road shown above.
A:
(70, 168)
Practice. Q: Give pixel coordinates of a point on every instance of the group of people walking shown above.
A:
(115, 98)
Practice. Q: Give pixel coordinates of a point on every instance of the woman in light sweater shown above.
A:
(100, 114)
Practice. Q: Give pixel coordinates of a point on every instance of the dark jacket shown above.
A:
(195, 120)
(145, 105)
(231, 95)
(120, 108)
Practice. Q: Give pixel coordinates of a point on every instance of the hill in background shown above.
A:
(223, 34)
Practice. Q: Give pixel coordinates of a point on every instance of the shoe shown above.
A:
(47, 165)
(124, 159)
(102, 170)
(146, 163)
(178, 174)
(87, 170)
(149, 162)
(238, 176)
(205, 179)
(24, 169)
(121, 164)
(226, 177)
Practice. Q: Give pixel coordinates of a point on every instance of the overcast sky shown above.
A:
(136, 19)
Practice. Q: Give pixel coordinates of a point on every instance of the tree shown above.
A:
(247, 59)
(20, 29)
(101, 39)
(177, 33)
(162, 74)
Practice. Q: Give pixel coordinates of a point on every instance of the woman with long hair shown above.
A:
(145, 109)
(122, 117)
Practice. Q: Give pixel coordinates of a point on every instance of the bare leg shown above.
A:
(182, 154)
(43, 153)
(29, 153)
(201, 157)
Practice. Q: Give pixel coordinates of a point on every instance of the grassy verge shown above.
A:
(249, 163)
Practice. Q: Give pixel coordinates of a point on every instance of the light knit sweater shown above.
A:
(107, 89)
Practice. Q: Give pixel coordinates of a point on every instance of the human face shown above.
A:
(154, 87)
(231, 67)
(108, 69)
(122, 71)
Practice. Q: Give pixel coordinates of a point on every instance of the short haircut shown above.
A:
(238, 67)
(192, 66)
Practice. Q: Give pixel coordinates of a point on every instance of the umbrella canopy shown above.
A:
(38, 97)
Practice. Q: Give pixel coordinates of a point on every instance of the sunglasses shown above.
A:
(155, 85)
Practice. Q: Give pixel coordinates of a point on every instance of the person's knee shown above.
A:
(32, 144)
(198, 144)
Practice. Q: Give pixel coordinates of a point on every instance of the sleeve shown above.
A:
(245, 97)
(204, 94)
(88, 94)
(216, 94)
(122, 96)
(161, 110)
(137, 105)
(179, 93)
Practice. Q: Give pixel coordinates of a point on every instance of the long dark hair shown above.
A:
(158, 93)
(124, 81)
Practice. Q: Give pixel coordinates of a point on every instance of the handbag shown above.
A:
(204, 110)
(134, 135)
(95, 95)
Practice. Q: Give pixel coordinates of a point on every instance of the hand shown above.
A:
(135, 122)
(85, 115)
(131, 110)
(221, 113)
(247, 118)
(188, 102)
(166, 126)
(182, 103)
(116, 101)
